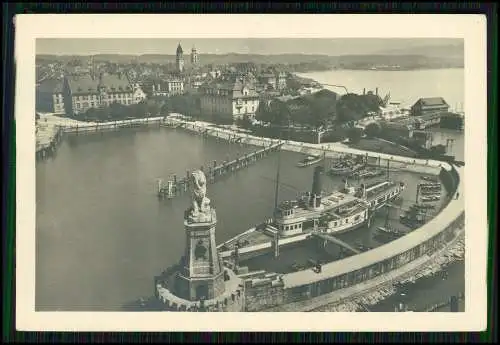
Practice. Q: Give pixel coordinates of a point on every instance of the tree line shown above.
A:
(321, 109)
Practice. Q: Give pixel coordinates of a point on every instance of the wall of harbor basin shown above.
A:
(265, 293)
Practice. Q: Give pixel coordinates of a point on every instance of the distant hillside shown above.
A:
(405, 62)
(204, 58)
(434, 57)
(442, 51)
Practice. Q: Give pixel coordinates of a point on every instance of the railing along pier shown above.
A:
(175, 186)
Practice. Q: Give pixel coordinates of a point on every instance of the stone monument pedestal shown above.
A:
(202, 274)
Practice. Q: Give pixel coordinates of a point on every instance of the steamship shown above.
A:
(340, 211)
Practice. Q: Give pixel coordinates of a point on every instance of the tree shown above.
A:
(354, 134)
(372, 130)
(186, 104)
(263, 112)
(245, 122)
(353, 107)
(118, 111)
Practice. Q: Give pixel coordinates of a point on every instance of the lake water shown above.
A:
(101, 232)
(404, 86)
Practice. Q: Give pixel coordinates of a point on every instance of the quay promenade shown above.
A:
(331, 150)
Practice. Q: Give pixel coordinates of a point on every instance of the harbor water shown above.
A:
(102, 234)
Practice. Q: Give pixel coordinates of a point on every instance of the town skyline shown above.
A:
(257, 46)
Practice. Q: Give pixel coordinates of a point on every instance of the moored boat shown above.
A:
(429, 178)
(389, 232)
(345, 166)
(379, 193)
(430, 192)
(309, 160)
(431, 198)
(367, 173)
(424, 206)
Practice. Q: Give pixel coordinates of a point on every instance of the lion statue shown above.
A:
(201, 204)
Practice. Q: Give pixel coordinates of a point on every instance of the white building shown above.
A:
(229, 100)
(168, 87)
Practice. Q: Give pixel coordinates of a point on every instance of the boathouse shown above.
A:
(427, 106)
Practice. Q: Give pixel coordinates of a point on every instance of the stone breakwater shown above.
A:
(454, 251)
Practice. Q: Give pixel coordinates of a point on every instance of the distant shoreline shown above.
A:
(378, 69)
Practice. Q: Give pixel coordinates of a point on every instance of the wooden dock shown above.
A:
(46, 143)
(177, 186)
(114, 125)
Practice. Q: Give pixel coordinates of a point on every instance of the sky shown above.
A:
(139, 46)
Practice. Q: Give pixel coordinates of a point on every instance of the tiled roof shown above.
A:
(432, 101)
(82, 84)
(236, 86)
(115, 83)
(86, 85)
(51, 86)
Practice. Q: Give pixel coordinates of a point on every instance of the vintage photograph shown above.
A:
(251, 174)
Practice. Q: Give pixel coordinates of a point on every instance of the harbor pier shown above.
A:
(47, 141)
(214, 172)
(114, 125)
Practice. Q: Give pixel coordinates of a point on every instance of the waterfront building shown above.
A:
(427, 106)
(427, 120)
(81, 93)
(229, 98)
(179, 59)
(49, 96)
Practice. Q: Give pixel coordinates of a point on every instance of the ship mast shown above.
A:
(386, 225)
(277, 187)
(276, 191)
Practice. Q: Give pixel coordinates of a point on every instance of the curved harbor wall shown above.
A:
(338, 275)
(270, 291)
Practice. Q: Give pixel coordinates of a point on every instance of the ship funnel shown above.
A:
(317, 186)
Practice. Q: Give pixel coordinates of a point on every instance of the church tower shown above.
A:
(179, 59)
(194, 56)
